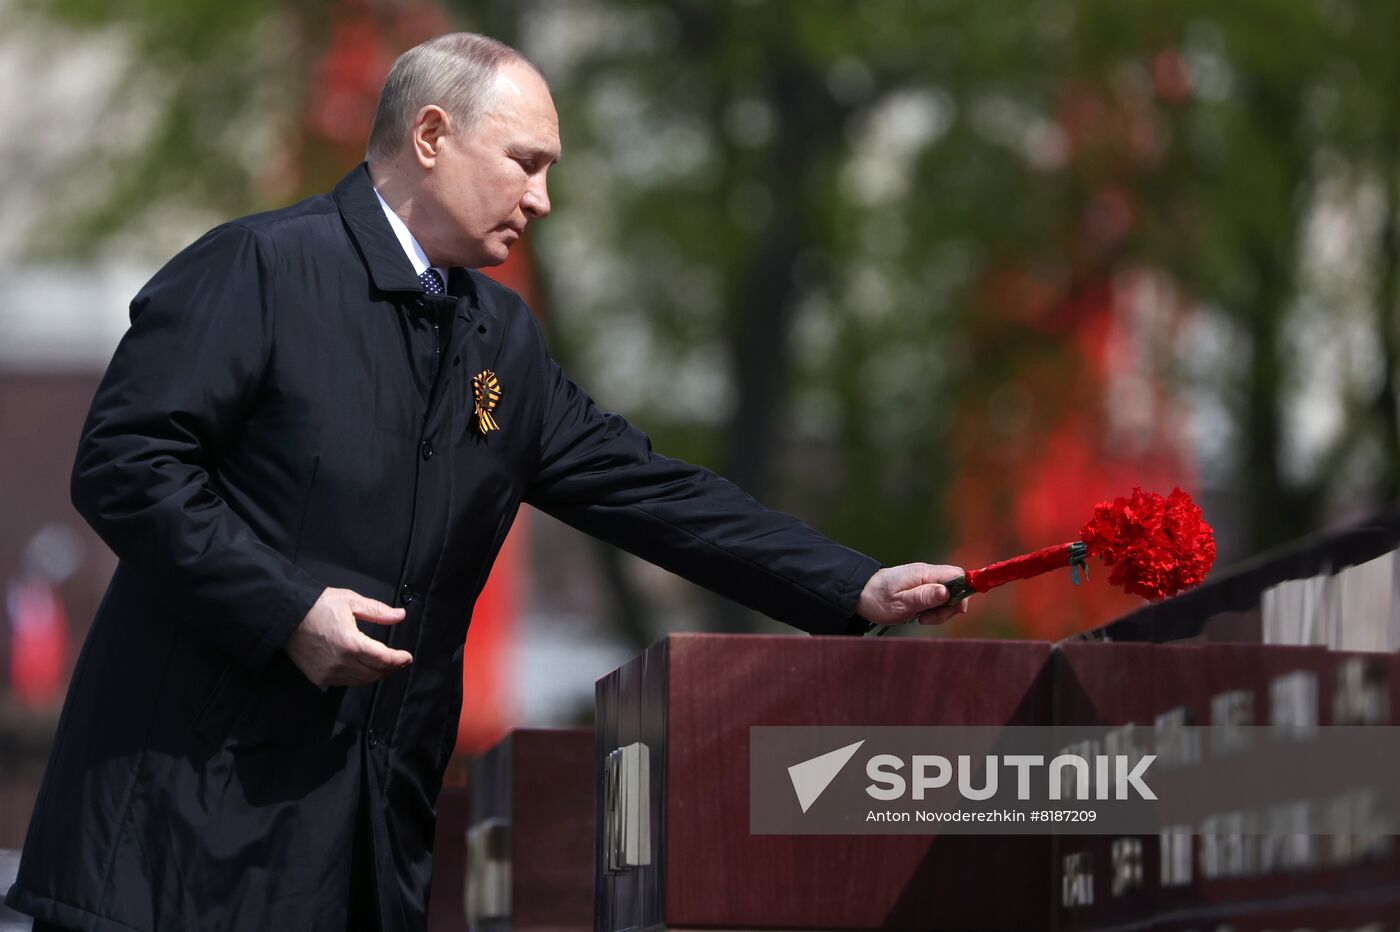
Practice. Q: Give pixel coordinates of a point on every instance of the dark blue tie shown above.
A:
(432, 282)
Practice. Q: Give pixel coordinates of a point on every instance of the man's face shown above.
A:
(488, 182)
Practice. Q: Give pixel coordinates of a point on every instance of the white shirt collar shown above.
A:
(415, 253)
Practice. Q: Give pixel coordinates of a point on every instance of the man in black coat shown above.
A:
(306, 453)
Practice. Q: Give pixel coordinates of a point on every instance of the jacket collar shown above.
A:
(369, 228)
(388, 266)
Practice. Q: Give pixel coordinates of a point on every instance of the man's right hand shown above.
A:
(332, 651)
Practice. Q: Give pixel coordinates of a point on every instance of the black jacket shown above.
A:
(271, 425)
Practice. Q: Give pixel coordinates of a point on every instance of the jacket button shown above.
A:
(372, 739)
(427, 449)
(407, 594)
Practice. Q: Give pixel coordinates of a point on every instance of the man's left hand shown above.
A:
(912, 592)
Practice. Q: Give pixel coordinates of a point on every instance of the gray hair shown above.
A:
(456, 71)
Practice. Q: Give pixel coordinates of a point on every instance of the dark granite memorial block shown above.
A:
(1267, 853)
(675, 849)
(449, 863)
(529, 842)
(1242, 627)
(1304, 911)
(1220, 685)
(1360, 689)
(1104, 880)
(1232, 877)
(1102, 683)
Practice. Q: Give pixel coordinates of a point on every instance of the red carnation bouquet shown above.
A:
(1156, 547)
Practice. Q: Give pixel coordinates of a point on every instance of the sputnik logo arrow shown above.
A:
(811, 777)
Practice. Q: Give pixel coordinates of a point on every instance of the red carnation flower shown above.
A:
(1156, 546)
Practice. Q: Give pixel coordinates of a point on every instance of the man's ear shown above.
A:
(429, 128)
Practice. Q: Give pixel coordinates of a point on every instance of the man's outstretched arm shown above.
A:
(598, 473)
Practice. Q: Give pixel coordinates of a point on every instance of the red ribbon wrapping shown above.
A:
(1022, 567)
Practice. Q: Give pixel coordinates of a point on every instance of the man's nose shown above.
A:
(536, 200)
